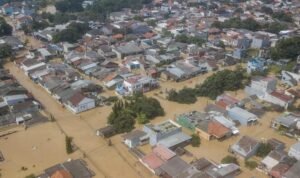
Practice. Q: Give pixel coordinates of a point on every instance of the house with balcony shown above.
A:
(136, 84)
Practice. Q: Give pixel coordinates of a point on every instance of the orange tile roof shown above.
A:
(217, 129)
(61, 174)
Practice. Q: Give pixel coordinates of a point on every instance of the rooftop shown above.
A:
(164, 127)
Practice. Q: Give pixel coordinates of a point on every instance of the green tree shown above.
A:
(5, 51)
(263, 150)
(196, 141)
(251, 164)
(221, 81)
(31, 176)
(286, 49)
(69, 5)
(141, 118)
(69, 148)
(74, 32)
(123, 121)
(283, 16)
(5, 28)
(229, 159)
(184, 96)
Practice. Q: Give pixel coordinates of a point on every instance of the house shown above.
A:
(245, 148)
(287, 121)
(261, 85)
(226, 101)
(167, 133)
(14, 99)
(260, 41)
(106, 132)
(290, 78)
(276, 144)
(272, 159)
(256, 64)
(223, 171)
(31, 65)
(136, 84)
(79, 103)
(243, 116)
(157, 158)
(265, 89)
(293, 172)
(127, 50)
(191, 119)
(174, 167)
(280, 169)
(210, 129)
(135, 138)
(294, 151)
(279, 98)
(73, 168)
(12, 41)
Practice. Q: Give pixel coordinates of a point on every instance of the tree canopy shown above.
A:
(5, 28)
(69, 5)
(249, 24)
(221, 81)
(137, 107)
(189, 39)
(263, 150)
(184, 96)
(286, 48)
(74, 32)
(229, 159)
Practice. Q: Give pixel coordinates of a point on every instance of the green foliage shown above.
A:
(282, 16)
(249, 24)
(196, 141)
(141, 118)
(274, 69)
(166, 33)
(69, 5)
(58, 18)
(139, 107)
(5, 28)
(102, 8)
(221, 81)
(5, 51)
(274, 27)
(286, 48)
(69, 148)
(138, 18)
(189, 39)
(73, 33)
(266, 10)
(229, 159)
(31, 176)
(251, 164)
(263, 150)
(184, 96)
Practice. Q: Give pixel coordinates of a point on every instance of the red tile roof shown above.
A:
(217, 129)
(163, 152)
(76, 98)
(61, 174)
(152, 160)
(281, 96)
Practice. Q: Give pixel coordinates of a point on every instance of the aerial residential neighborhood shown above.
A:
(149, 88)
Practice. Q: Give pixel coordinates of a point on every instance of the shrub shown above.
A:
(251, 164)
(31, 176)
(184, 96)
(229, 159)
(263, 150)
(69, 147)
(196, 141)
